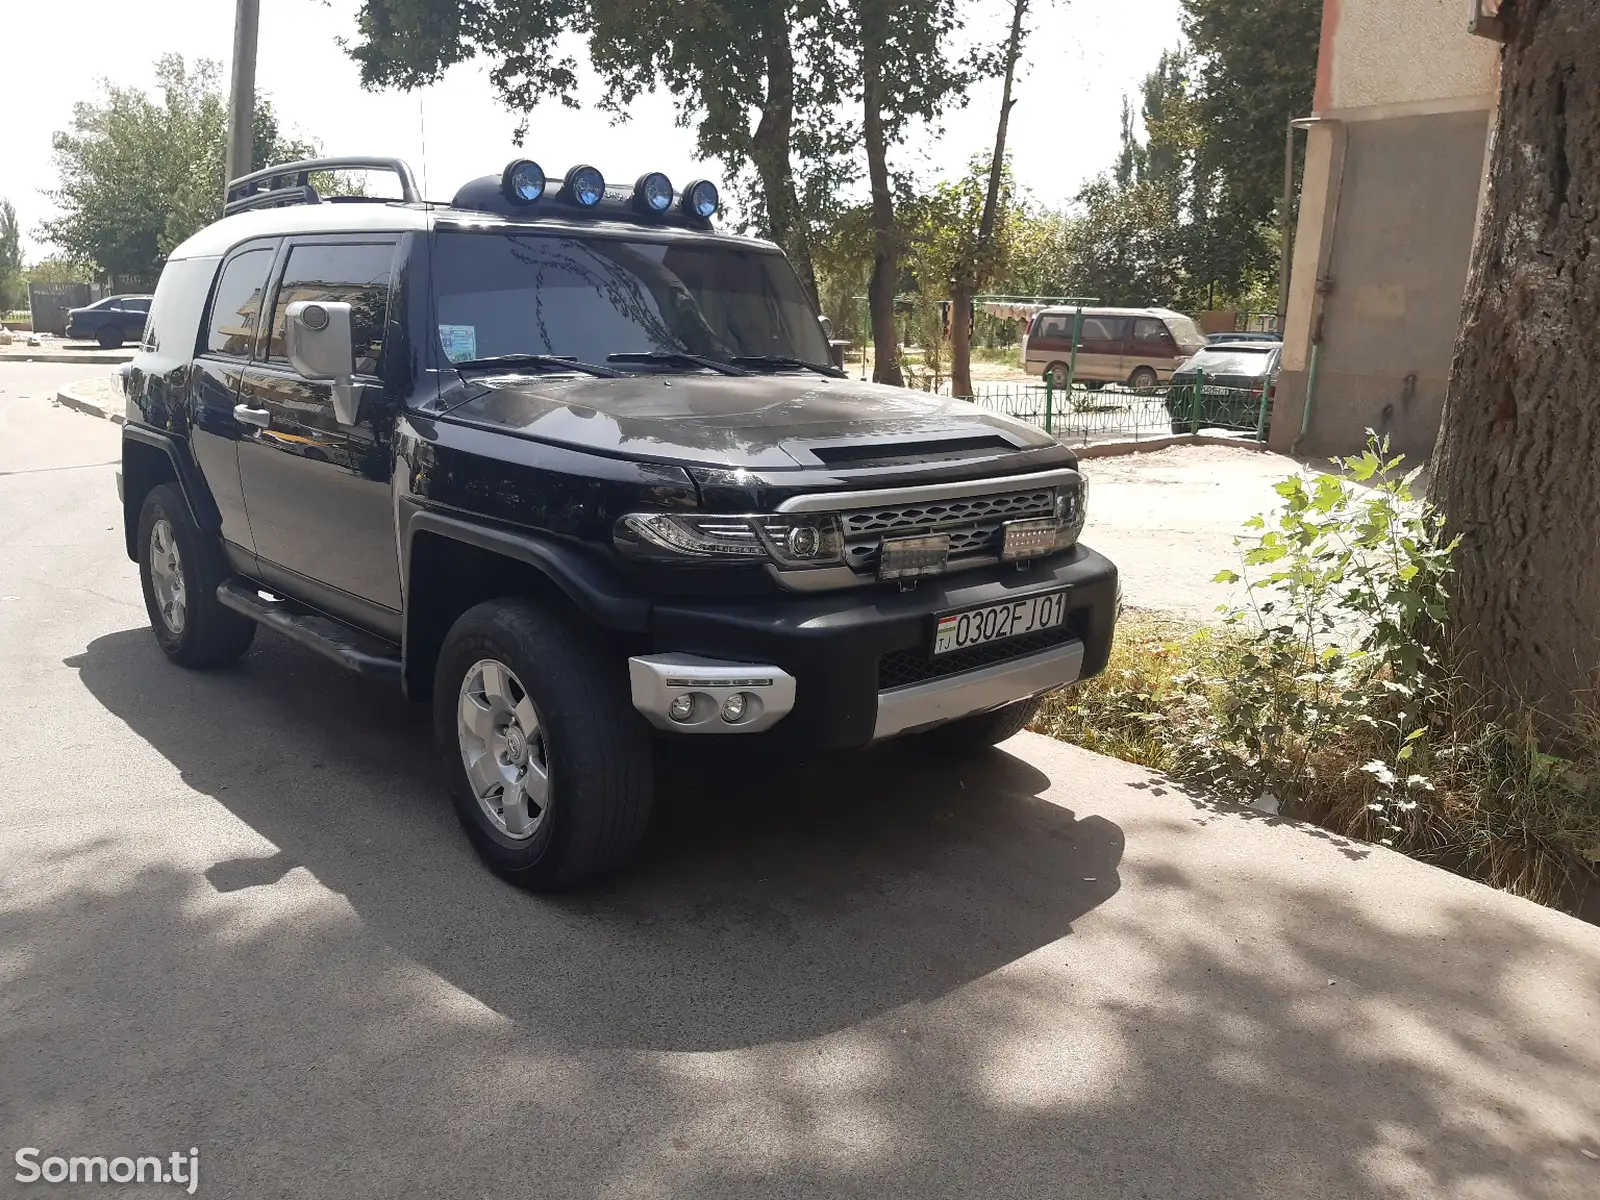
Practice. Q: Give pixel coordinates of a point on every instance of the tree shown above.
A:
(1517, 467)
(139, 175)
(1257, 68)
(758, 79)
(905, 74)
(973, 270)
(13, 288)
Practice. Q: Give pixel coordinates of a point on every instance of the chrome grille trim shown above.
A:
(892, 497)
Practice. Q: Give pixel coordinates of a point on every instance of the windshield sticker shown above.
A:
(460, 342)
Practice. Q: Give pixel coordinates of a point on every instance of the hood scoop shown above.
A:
(871, 452)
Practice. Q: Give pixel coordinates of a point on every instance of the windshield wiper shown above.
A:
(550, 362)
(777, 360)
(681, 357)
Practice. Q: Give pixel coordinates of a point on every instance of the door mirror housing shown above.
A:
(318, 345)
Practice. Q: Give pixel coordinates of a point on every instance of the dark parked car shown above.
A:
(574, 466)
(111, 321)
(1236, 376)
(1248, 335)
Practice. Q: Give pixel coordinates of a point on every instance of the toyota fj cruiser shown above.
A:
(577, 468)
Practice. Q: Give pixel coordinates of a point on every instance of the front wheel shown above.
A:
(1144, 377)
(550, 767)
(109, 337)
(180, 568)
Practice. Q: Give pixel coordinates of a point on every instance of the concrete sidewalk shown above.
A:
(239, 915)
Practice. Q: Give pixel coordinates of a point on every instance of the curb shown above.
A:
(1148, 445)
(67, 398)
(85, 358)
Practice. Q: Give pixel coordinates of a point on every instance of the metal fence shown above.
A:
(1081, 415)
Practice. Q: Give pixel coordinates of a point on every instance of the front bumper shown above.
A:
(861, 663)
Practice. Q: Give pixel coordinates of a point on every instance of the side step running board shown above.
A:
(349, 647)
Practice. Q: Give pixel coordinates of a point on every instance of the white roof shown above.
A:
(221, 236)
(1100, 310)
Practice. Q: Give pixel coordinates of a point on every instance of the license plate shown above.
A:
(996, 622)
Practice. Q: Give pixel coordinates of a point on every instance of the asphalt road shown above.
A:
(236, 914)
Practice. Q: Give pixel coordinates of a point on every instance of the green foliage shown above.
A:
(13, 287)
(1329, 696)
(1256, 68)
(139, 174)
(57, 268)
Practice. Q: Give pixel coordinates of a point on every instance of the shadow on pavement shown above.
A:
(772, 902)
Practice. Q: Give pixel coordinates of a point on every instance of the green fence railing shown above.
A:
(1079, 415)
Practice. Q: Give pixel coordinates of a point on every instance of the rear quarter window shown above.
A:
(180, 299)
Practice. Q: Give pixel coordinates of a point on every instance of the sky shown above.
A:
(1082, 57)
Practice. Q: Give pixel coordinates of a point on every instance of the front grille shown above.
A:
(900, 668)
(973, 523)
(907, 519)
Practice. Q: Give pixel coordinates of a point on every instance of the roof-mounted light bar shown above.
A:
(700, 199)
(653, 193)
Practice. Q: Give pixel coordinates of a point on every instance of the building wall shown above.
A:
(1388, 211)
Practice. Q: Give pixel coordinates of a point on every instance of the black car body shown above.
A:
(111, 321)
(750, 546)
(1228, 386)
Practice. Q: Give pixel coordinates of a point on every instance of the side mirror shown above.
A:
(827, 327)
(318, 345)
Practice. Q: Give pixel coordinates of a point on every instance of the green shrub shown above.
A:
(1328, 695)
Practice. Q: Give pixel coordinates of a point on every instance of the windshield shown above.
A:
(590, 297)
(1185, 331)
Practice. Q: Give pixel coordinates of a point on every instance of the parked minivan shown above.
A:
(1136, 346)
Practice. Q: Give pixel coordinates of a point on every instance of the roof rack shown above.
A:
(246, 191)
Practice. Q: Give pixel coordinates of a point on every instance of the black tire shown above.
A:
(1056, 373)
(980, 731)
(109, 336)
(1144, 377)
(209, 635)
(597, 749)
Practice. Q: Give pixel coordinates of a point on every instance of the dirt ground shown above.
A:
(1168, 519)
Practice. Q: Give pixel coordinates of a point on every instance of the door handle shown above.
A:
(259, 417)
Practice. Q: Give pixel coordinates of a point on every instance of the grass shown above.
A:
(1500, 811)
(1010, 356)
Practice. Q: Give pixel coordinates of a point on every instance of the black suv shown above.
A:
(576, 468)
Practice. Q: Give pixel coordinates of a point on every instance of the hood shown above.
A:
(773, 422)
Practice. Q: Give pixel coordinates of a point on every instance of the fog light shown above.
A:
(804, 541)
(681, 708)
(733, 708)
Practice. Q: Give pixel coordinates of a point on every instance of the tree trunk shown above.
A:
(770, 150)
(960, 341)
(1518, 459)
(975, 277)
(885, 256)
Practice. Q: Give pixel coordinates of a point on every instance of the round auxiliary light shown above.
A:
(314, 317)
(733, 708)
(681, 708)
(653, 192)
(522, 182)
(585, 186)
(700, 199)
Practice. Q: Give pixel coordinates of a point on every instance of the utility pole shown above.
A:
(242, 91)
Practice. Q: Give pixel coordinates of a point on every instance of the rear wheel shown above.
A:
(550, 767)
(180, 568)
(981, 730)
(1143, 377)
(109, 336)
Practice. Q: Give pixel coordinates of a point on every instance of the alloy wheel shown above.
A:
(166, 576)
(503, 749)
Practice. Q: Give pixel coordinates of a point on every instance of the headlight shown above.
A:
(794, 541)
(1072, 509)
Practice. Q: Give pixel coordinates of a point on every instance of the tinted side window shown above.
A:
(141, 306)
(1101, 329)
(357, 275)
(237, 303)
(1148, 331)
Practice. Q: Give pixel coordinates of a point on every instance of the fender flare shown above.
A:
(202, 505)
(593, 589)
